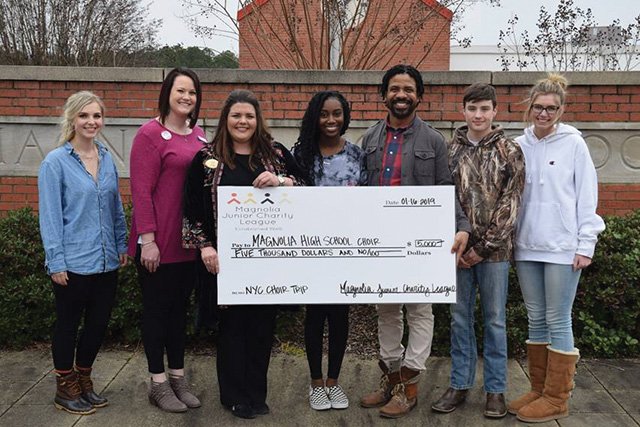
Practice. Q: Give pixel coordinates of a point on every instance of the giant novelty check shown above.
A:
(336, 245)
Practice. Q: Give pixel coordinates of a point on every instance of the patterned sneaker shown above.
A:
(318, 398)
(337, 398)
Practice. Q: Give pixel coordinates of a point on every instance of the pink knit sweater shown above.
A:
(158, 165)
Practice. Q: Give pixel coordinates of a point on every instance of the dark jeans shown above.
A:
(92, 295)
(165, 299)
(244, 349)
(338, 319)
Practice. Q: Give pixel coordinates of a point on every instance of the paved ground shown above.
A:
(607, 394)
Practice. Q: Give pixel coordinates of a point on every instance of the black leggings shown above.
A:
(165, 299)
(338, 319)
(93, 295)
(244, 350)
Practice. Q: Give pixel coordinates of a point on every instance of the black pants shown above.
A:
(206, 299)
(338, 319)
(165, 299)
(244, 349)
(92, 295)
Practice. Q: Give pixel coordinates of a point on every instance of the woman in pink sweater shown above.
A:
(161, 153)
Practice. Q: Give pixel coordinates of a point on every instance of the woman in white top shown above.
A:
(556, 236)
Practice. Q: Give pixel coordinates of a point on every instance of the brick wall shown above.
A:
(416, 32)
(284, 96)
(288, 101)
(263, 35)
(21, 191)
(618, 199)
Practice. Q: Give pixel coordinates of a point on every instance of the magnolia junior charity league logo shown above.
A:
(251, 199)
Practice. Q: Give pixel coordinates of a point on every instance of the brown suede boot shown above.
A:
(180, 387)
(553, 404)
(380, 397)
(405, 395)
(68, 395)
(162, 396)
(537, 361)
(86, 385)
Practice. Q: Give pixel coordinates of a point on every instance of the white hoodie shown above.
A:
(558, 215)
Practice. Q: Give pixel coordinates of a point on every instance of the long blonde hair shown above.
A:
(553, 84)
(75, 103)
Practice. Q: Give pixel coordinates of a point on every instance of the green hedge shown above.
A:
(606, 311)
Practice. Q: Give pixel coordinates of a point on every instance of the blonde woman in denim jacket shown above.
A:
(83, 232)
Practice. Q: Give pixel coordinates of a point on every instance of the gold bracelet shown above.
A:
(147, 243)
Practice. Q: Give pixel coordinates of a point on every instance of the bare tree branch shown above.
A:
(74, 32)
(571, 40)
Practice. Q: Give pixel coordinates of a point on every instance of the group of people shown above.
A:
(532, 200)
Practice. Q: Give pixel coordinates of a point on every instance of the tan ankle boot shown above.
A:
(380, 397)
(405, 395)
(162, 396)
(180, 387)
(537, 361)
(553, 404)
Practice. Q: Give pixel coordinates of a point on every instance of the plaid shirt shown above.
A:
(392, 157)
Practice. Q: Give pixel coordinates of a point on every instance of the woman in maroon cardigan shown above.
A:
(162, 151)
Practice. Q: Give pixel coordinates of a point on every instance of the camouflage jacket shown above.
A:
(489, 181)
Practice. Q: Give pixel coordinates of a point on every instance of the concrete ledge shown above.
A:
(81, 74)
(331, 77)
(306, 77)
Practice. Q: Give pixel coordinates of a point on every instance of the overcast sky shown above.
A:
(482, 22)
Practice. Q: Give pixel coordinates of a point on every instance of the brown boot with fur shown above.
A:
(388, 381)
(553, 404)
(405, 395)
(537, 361)
(68, 395)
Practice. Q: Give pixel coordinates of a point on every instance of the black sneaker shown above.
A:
(243, 411)
(260, 409)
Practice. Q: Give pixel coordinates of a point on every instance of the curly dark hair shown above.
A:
(402, 69)
(306, 148)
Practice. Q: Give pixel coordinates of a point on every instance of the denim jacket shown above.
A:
(82, 221)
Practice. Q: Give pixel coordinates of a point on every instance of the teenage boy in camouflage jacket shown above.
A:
(488, 171)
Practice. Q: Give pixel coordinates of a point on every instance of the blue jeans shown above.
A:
(548, 291)
(492, 280)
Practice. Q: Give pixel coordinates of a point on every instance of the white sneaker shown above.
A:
(337, 398)
(318, 398)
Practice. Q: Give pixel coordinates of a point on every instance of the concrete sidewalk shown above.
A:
(607, 394)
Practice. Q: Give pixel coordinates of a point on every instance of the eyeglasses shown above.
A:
(550, 109)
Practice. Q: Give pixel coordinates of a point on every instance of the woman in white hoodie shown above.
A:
(556, 236)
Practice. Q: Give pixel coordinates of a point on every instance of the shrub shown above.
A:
(27, 309)
(27, 312)
(607, 307)
(606, 321)
(21, 250)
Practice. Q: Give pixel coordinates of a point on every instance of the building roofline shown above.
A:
(249, 8)
(444, 11)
